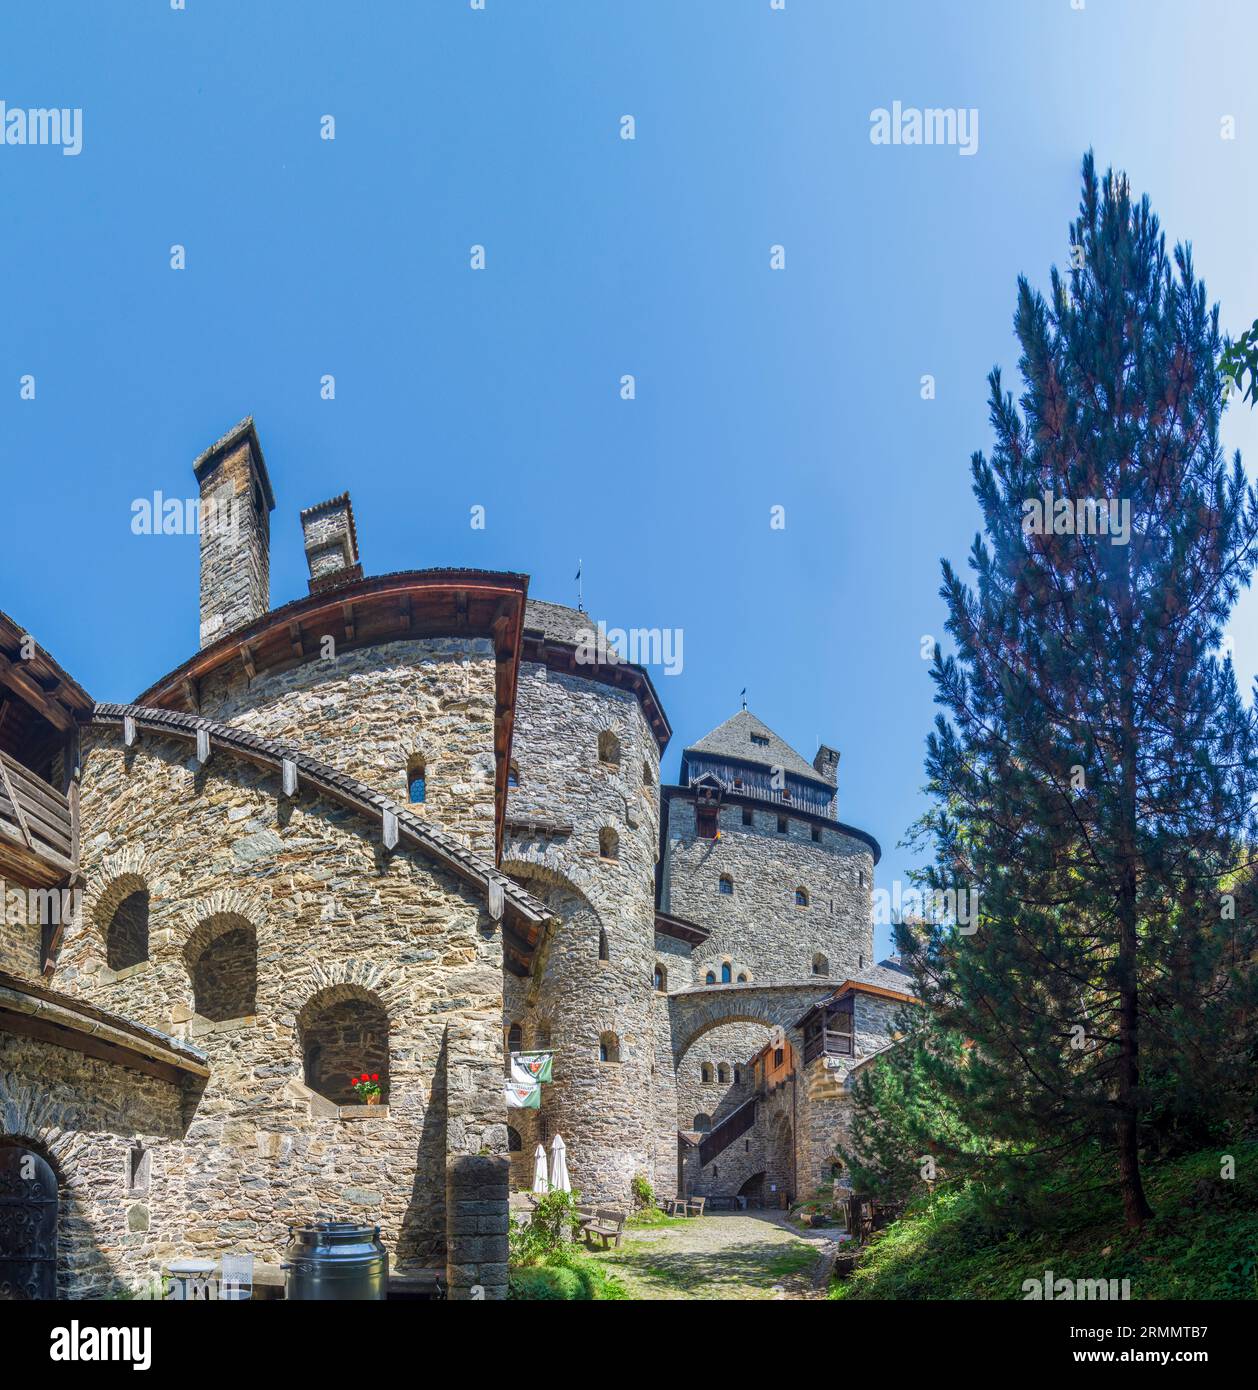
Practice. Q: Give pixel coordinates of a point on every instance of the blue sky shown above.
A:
(756, 388)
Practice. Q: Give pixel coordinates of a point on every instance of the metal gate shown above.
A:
(28, 1225)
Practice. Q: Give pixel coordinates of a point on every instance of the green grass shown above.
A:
(654, 1218)
(1203, 1242)
(565, 1278)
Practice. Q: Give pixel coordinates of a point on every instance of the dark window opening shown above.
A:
(706, 822)
(127, 940)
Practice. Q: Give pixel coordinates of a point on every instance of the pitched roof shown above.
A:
(733, 740)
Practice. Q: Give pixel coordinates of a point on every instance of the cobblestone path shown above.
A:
(743, 1255)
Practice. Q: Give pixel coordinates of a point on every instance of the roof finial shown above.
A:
(744, 697)
(580, 589)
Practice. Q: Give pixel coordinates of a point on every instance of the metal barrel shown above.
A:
(335, 1260)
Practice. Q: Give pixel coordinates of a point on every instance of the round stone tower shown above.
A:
(582, 833)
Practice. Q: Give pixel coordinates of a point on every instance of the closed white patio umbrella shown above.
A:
(541, 1181)
(559, 1180)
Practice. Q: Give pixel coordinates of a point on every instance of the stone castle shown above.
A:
(402, 825)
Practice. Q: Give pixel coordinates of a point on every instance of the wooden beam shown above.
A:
(347, 610)
(27, 688)
(294, 636)
(246, 659)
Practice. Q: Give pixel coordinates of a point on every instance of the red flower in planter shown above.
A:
(374, 1076)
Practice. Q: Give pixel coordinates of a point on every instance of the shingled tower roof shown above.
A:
(733, 739)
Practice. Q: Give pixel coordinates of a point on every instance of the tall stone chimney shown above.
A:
(331, 541)
(827, 764)
(236, 507)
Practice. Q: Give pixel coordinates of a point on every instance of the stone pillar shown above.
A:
(477, 1217)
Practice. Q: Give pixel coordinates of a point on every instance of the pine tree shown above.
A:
(1095, 772)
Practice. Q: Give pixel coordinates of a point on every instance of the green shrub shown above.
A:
(643, 1193)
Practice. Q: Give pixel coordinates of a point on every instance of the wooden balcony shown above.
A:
(38, 828)
(829, 1043)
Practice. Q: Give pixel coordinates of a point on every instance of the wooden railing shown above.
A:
(736, 1123)
(38, 833)
(830, 1043)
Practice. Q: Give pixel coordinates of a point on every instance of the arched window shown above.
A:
(661, 979)
(801, 897)
(738, 1074)
(722, 1073)
(514, 1143)
(726, 973)
(703, 1123)
(417, 781)
(608, 843)
(603, 952)
(608, 1047)
(513, 775)
(515, 1038)
(742, 978)
(820, 965)
(344, 1034)
(609, 748)
(127, 936)
(725, 884)
(222, 961)
(705, 1073)
(709, 979)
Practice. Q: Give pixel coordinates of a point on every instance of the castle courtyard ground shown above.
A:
(739, 1255)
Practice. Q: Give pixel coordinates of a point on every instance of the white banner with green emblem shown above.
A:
(523, 1097)
(532, 1066)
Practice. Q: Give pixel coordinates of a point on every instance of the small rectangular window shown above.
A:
(816, 834)
(781, 825)
(748, 817)
(760, 740)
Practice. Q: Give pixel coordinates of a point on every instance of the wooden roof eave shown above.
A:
(32, 1011)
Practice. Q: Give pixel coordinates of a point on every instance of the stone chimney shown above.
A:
(236, 507)
(827, 764)
(331, 540)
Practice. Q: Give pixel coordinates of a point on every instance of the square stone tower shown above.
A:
(236, 507)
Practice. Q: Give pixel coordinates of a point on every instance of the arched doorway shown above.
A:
(28, 1224)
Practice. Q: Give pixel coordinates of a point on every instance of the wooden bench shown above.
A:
(605, 1223)
(695, 1205)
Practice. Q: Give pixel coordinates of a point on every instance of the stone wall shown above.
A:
(758, 928)
(336, 919)
(730, 1045)
(370, 712)
(610, 1113)
(19, 936)
(119, 1217)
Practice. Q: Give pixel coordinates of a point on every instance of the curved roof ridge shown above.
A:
(339, 786)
